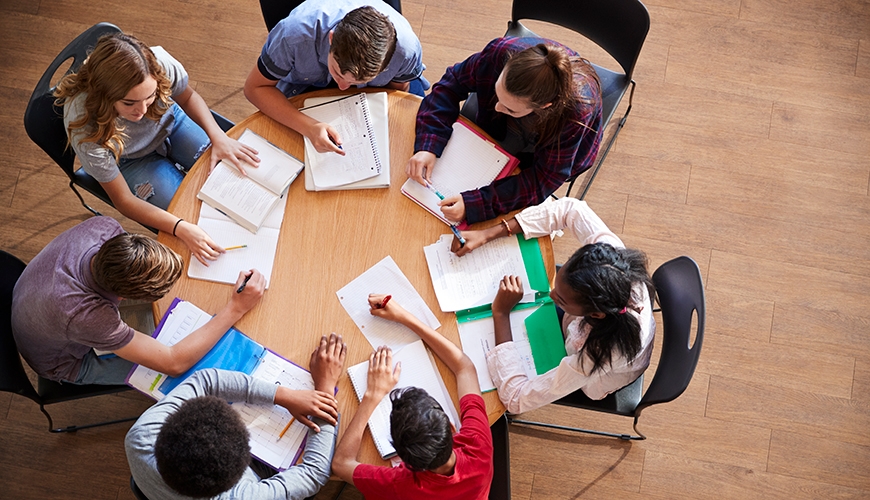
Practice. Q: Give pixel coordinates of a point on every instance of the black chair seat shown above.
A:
(621, 402)
(54, 392)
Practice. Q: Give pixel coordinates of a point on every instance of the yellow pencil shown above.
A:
(235, 247)
(292, 419)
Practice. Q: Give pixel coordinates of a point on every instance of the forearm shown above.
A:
(145, 213)
(192, 348)
(502, 324)
(196, 108)
(273, 104)
(346, 452)
(452, 355)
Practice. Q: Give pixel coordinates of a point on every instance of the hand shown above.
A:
(510, 291)
(233, 152)
(382, 376)
(325, 139)
(473, 239)
(453, 208)
(420, 166)
(304, 404)
(252, 293)
(393, 311)
(198, 242)
(326, 362)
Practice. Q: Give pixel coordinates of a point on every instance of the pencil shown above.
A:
(235, 247)
(292, 419)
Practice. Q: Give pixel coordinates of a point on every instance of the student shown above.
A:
(193, 444)
(65, 305)
(537, 98)
(605, 292)
(129, 108)
(436, 463)
(350, 42)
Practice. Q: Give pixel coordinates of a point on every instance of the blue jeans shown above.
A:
(106, 370)
(155, 177)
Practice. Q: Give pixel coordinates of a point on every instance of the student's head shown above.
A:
(361, 46)
(121, 78)
(422, 434)
(596, 283)
(136, 267)
(202, 449)
(540, 80)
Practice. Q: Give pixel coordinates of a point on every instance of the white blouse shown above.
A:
(518, 392)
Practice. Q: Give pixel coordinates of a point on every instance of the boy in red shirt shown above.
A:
(436, 463)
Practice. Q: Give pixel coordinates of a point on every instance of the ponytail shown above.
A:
(602, 277)
(545, 74)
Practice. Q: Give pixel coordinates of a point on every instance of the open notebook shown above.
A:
(418, 370)
(351, 118)
(469, 161)
(259, 252)
(377, 102)
(234, 351)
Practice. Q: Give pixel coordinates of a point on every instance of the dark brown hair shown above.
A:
(363, 43)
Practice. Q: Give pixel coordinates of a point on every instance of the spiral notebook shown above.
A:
(469, 161)
(351, 118)
(418, 370)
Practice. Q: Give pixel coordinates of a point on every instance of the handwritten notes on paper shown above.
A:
(385, 277)
(472, 280)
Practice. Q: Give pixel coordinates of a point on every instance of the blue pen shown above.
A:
(458, 236)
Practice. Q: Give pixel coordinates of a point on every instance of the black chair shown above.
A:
(617, 26)
(276, 10)
(14, 379)
(500, 488)
(680, 293)
(44, 121)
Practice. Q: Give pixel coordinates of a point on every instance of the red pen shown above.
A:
(384, 303)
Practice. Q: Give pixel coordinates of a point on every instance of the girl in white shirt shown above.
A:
(605, 291)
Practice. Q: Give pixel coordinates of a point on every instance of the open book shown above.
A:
(418, 370)
(235, 351)
(469, 161)
(377, 103)
(258, 253)
(248, 200)
(351, 118)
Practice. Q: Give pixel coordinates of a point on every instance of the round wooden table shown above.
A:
(328, 239)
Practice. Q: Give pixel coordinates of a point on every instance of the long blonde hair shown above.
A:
(118, 63)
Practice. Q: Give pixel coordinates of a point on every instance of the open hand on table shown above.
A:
(200, 244)
(233, 152)
(327, 361)
(382, 376)
(305, 404)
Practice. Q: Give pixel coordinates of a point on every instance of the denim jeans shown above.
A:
(106, 370)
(155, 177)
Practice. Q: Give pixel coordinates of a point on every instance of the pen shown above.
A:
(292, 419)
(384, 303)
(432, 188)
(236, 247)
(333, 141)
(242, 288)
(458, 235)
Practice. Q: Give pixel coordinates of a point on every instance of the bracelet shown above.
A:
(506, 226)
(175, 227)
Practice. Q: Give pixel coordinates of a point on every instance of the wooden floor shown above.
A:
(748, 149)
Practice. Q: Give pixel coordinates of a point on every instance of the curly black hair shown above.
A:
(420, 429)
(202, 449)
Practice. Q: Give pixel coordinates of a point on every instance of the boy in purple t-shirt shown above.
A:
(65, 305)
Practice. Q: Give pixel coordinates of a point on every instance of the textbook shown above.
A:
(258, 250)
(235, 351)
(418, 370)
(377, 103)
(351, 118)
(248, 200)
(469, 161)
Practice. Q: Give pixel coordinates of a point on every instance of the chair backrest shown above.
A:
(42, 119)
(13, 378)
(617, 26)
(276, 10)
(681, 296)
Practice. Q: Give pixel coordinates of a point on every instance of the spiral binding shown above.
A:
(365, 108)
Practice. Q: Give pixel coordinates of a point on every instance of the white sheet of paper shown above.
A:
(385, 277)
(259, 254)
(478, 337)
(473, 279)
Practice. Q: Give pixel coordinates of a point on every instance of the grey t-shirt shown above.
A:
(297, 482)
(143, 137)
(58, 311)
